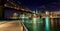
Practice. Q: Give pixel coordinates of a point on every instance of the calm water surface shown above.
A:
(44, 24)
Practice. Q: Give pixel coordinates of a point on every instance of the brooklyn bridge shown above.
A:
(16, 17)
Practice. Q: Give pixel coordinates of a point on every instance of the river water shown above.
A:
(42, 24)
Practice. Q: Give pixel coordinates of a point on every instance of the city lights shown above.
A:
(29, 15)
(34, 20)
(23, 16)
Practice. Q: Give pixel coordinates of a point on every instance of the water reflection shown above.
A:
(42, 24)
(34, 24)
(47, 24)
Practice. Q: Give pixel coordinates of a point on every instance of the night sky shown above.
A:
(50, 5)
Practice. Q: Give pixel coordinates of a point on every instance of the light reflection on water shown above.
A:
(34, 24)
(39, 24)
(47, 24)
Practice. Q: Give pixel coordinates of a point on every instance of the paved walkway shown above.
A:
(11, 26)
